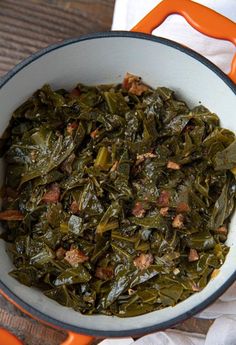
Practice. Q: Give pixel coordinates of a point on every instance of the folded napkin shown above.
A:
(222, 332)
(128, 13)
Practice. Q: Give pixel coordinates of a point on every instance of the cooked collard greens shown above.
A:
(117, 199)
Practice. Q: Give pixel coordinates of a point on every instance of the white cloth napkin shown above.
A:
(222, 332)
(128, 13)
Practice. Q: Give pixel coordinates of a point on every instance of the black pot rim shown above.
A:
(139, 330)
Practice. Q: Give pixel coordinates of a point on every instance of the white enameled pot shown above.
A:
(105, 58)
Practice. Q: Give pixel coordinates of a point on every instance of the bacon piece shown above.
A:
(52, 195)
(173, 165)
(143, 261)
(33, 155)
(94, 134)
(74, 207)
(75, 92)
(215, 273)
(104, 273)
(195, 287)
(60, 253)
(222, 230)
(164, 199)
(75, 257)
(182, 207)
(164, 211)
(193, 255)
(138, 210)
(134, 85)
(71, 127)
(141, 158)
(11, 215)
(115, 166)
(178, 221)
(188, 128)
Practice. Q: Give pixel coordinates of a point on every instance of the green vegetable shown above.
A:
(73, 276)
(226, 159)
(117, 198)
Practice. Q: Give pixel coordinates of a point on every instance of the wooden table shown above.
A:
(29, 25)
(25, 27)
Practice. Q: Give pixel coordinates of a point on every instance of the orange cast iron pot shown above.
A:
(205, 21)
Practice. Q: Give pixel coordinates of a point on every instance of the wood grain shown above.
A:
(27, 26)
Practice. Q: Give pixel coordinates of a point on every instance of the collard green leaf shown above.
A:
(123, 196)
(73, 276)
(75, 225)
(224, 205)
(51, 151)
(156, 221)
(89, 202)
(116, 103)
(226, 159)
(119, 285)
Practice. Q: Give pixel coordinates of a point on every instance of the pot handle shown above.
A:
(7, 338)
(77, 339)
(203, 19)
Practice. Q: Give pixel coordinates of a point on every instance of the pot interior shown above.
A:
(105, 58)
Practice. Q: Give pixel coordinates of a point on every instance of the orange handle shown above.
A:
(77, 339)
(198, 16)
(7, 338)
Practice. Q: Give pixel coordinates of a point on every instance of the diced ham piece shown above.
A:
(164, 199)
(142, 157)
(193, 255)
(222, 230)
(215, 273)
(74, 207)
(134, 85)
(146, 155)
(138, 210)
(52, 195)
(188, 128)
(104, 273)
(164, 211)
(75, 257)
(71, 127)
(60, 253)
(182, 207)
(94, 134)
(11, 215)
(178, 221)
(115, 166)
(195, 287)
(173, 165)
(143, 261)
(75, 92)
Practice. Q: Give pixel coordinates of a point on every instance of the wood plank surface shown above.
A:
(29, 25)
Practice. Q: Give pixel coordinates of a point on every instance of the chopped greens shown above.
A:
(117, 198)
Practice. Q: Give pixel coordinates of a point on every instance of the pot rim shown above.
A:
(142, 330)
